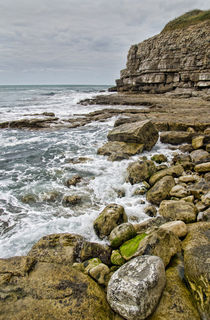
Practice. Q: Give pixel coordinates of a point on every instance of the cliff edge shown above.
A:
(177, 59)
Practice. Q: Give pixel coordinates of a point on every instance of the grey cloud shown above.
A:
(77, 40)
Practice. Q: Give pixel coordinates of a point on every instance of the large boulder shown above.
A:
(43, 291)
(160, 190)
(196, 262)
(176, 301)
(112, 216)
(140, 170)
(135, 288)
(174, 171)
(178, 210)
(143, 132)
(116, 149)
(176, 137)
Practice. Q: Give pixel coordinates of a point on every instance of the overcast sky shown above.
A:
(77, 41)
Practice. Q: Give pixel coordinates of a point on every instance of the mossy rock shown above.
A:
(129, 248)
(116, 258)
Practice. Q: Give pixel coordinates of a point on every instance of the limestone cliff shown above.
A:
(178, 57)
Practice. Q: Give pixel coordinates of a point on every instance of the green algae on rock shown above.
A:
(129, 248)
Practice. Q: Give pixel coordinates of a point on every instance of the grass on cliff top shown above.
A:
(187, 19)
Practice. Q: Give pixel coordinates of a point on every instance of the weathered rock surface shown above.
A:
(121, 233)
(160, 190)
(203, 167)
(176, 137)
(117, 149)
(176, 302)
(178, 210)
(170, 61)
(197, 266)
(179, 228)
(174, 171)
(30, 290)
(112, 216)
(179, 191)
(142, 132)
(199, 156)
(140, 170)
(135, 288)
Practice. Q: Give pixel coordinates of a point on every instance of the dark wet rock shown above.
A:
(121, 233)
(178, 210)
(176, 137)
(160, 190)
(199, 188)
(95, 250)
(151, 211)
(72, 200)
(135, 288)
(112, 216)
(196, 263)
(142, 132)
(29, 198)
(73, 181)
(159, 158)
(140, 170)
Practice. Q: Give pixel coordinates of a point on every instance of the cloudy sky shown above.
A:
(77, 41)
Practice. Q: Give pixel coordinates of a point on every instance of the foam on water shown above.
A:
(38, 164)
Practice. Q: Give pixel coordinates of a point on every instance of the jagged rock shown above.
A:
(162, 243)
(184, 160)
(121, 233)
(179, 191)
(176, 301)
(116, 149)
(203, 167)
(174, 171)
(196, 263)
(179, 228)
(116, 258)
(95, 250)
(204, 215)
(142, 132)
(159, 158)
(178, 210)
(160, 190)
(140, 170)
(112, 216)
(199, 156)
(151, 211)
(197, 142)
(135, 288)
(189, 199)
(73, 181)
(49, 291)
(169, 61)
(29, 198)
(176, 137)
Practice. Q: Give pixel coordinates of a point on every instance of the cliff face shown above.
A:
(178, 58)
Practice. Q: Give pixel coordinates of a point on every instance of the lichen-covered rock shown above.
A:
(179, 228)
(160, 190)
(162, 243)
(115, 149)
(178, 210)
(142, 132)
(49, 291)
(121, 233)
(129, 248)
(196, 262)
(176, 301)
(139, 171)
(116, 258)
(112, 216)
(135, 288)
(174, 171)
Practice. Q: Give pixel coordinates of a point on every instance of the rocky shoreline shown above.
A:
(157, 269)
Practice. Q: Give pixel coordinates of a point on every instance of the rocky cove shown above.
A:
(155, 269)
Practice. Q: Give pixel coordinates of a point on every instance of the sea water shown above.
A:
(35, 165)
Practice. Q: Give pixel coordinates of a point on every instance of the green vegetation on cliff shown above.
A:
(187, 19)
